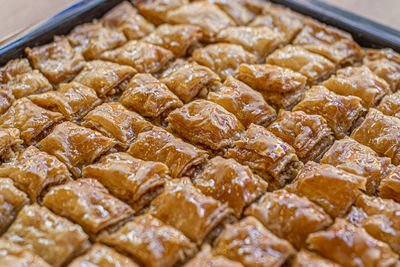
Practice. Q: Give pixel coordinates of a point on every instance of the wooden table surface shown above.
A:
(18, 14)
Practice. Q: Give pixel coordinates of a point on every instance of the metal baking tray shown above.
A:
(366, 32)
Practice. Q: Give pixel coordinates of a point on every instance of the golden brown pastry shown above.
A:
(31, 120)
(223, 58)
(11, 202)
(182, 159)
(75, 146)
(88, 203)
(115, 121)
(58, 61)
(17, 256)
(309, 135)
(102, 256)
(52, 237)
(207, 258)
(132, 180)
(358, 81)
(390, 105)
(184, 207)
(28, 83)
(381, 133)
(289, 216)
(245, 103)
(250, 243)
(13, 68)
(152, 242)
(73, 100)
(349, 155)
(280, 87)
(236, 9)
(144, 57)
(6, 98)
(268, 156)
(156, 10)
(204, 122)
(351, 246)
(34, 170)
(230, 182)
(313, 181)
(9, 143)
(176, 38)
(315, 67)
(305, 258)
(191, 80)
(340, 112)
(104, 76)
(210, 18)
(390, 186)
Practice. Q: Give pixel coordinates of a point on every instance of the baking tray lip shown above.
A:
(366, 32)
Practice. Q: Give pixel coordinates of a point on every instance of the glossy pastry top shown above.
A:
(242, 12)
(9, 137)
(13, 68)
(390, 185)
(29, 83)
(390, 105)
(17, 256)
(206, 258)
(156, 10)
(308, 259)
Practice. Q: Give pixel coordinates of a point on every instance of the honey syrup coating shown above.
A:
(28, 83)
(250, 243)
(381, 133)
(132, 180)
(206, 258)
(305, 258)
(52, 237)
(349, 155)
(156, 10)
(245, 103)
(9, 143)
(204, 122)
(15, 255)
(9, 71)
(88, 203)
(75, 146)
(390, 186)
(100, 255)
(12, 201)
(289, 216)
(33, 171)
(6, 98)
(182, 159)
(150, 241)
(309, 135)
(267, 155)
(390, 105)
(351, 246)
(186, 208)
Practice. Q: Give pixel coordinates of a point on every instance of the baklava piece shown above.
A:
(289, 216)
(315, 67)
(144, 57)
(125, 18)
(390, 186)
(12, 201)
(149, 97)
(206, 258)
(230, 182)
(73, 100)
(349, 245)
(223, 58)
(151, 242)
(104, 76)
(191, 80)
(336, 45)
(132, 180)
(309, 135)
(333, 189)
(268, 156)
(186, 208)
(210, 18)
(102, 256)
(381, 133)
(6, 98)
(28, 83)
(58, 61)
(34, 170)
(379, 217)
(115, 121)
(206, 123)
(13, 68)
(390, 105)
(358, 81)
(258, 40)
(156, 10)
(386, 64)
(349, 155)
(17, 256)
(92, 39)
(245, 103)
(280, 87)
(75, 146)
(340, 112)
(176, 38)
(182, 159)
(10, 143)
(305, 258)
(52, 237)
(31, 120)
(236, 9)
(250, 243)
